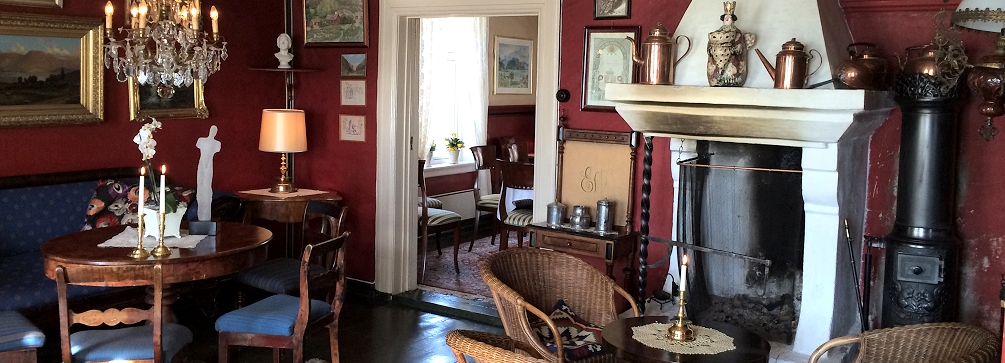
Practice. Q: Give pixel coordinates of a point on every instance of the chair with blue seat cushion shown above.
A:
(514, 176)
(18, 338)
(158, 342)
(435, 220)
(280, 321)
(321, 221)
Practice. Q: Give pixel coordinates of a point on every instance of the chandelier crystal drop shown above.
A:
(163, 44)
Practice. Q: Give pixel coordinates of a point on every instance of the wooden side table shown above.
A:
(617, 336)
(609, 247)
(288, 211)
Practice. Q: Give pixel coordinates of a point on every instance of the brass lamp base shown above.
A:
(284, 185)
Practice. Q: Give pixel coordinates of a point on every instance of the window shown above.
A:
(453, 84)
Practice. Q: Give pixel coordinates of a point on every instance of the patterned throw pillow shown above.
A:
(580, 339)
(523, 204)
(115, 202)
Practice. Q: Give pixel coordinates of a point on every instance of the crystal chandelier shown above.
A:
(163, 45)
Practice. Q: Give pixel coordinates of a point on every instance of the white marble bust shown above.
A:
(284, 42)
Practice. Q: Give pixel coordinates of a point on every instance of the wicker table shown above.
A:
(750, 347)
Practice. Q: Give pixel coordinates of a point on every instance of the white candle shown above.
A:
(140, 193)
(163, 187)
(214, 15)
(683, 275)
(143, 14)
(109, 10)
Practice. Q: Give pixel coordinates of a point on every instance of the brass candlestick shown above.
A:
(161, 250)
(139, 252)
(681, 329)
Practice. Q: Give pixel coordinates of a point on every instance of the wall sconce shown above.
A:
(283, 131)
(986, 78)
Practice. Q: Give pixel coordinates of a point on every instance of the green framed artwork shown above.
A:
(336, 23)
(39, 3)
(185, 102)
(53, 72)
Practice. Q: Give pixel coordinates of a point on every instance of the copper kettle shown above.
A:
(863, 69)
(791, 65)
(921, 59)
(657, 56)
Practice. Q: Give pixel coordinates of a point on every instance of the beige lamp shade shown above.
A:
(283, 131)
(986, 15)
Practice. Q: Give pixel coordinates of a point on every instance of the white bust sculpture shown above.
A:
(208, 146)
(284, 42)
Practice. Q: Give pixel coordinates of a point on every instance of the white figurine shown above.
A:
(284, 42)
(208, 146)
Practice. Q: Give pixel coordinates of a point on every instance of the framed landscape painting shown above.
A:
(336, 23)
(39, 3)
(514, 66)
(185, 102)
(50, 70)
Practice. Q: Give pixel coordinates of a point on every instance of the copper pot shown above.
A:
(792, 63)
(921, 59)
(863, 69)
(658, 55)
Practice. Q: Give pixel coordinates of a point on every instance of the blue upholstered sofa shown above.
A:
(35, 209)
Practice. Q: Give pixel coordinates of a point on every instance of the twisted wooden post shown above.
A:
(647, 174)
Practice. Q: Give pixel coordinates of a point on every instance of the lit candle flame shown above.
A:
(164, 170)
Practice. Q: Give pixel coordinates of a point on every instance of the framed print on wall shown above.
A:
(186, 101)
(612, 9)
(514, 66)
(353, 93)
(353, 66)
(336, 23)
(352, 127)
(52, 73)
(607, 59)
(39, 3)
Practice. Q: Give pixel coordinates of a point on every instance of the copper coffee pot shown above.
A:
(863, 69)
(791, 65)
(921, 59)
(658, 55)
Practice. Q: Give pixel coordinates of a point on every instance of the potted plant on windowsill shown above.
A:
(454, 146)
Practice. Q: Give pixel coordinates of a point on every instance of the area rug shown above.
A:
(440, 269)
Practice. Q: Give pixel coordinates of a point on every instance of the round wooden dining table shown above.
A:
(235, 247)
(617, 337)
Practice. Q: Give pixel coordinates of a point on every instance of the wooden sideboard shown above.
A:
(608, 247)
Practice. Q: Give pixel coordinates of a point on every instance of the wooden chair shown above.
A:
(492, 348)
(934, 342)
(513, 151)
(157, 342)
(281, 276)
(280, 321)
(19, 338)
(514, 176)
(528, 280)
(485, 159)
(435, 220)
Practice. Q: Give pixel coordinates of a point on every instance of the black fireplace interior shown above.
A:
(754, 213)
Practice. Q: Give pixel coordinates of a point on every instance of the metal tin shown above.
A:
(580, 217)
(604, 222)
(556, 213)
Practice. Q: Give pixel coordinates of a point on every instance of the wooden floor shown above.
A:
(370, 330)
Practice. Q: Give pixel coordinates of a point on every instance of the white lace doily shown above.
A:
(706, 340)
(127, 238)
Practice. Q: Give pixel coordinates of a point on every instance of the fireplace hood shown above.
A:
(785, 117)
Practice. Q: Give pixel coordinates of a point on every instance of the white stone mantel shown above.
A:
(786, 117)
(831, 126)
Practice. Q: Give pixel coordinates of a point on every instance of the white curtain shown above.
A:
(453, 83)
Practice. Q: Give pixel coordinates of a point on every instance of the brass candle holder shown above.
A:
(681, 329)
(161, 250)
(139, 252)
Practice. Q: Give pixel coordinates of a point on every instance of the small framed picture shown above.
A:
(353, 93)
(514, 66)
(352, 128)
(612, 9)
(353, 65)
(607, 59)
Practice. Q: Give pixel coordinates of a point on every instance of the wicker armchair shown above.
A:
(526, 280)
(490, 348)
(935, 342)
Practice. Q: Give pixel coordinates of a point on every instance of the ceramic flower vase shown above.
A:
(453, 155)
(172, 223)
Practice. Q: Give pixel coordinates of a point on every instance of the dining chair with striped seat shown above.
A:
(435, 220)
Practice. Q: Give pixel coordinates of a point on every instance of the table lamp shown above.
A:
(986, 78)
(283, 131)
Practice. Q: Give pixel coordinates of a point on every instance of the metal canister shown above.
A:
(604, 222)
(556, 213)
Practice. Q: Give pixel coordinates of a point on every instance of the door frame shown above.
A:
(395, 248)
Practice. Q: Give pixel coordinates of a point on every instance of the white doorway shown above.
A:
(395, 248)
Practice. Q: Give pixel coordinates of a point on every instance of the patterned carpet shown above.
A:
(440, 269)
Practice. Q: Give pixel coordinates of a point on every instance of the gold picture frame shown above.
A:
(39, 3)
(53, 97)
(187, 102)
